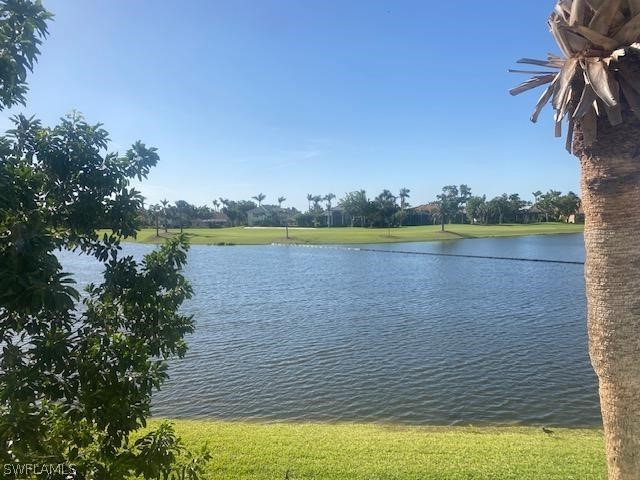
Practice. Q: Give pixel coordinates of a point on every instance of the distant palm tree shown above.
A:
(309, 199)
(595, 85)
(164, 203)
(155, 211)
(280, 200)
(327, 198)
(259, 198)
(536, 195)
(216, 205)
(404, 194)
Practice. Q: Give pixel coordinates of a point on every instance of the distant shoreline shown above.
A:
(355, 235)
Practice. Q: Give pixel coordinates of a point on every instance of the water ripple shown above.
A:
(342, 335)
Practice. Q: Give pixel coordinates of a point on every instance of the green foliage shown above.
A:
(556, 206)
(23, 25)
(451, 201)
(75, 382)
(237, 211)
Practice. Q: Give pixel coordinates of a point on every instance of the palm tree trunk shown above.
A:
(610, 186)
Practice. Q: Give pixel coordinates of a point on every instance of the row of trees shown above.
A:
(456, 204)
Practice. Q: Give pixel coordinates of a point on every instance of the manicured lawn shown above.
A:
(258, 236)
(245, 450)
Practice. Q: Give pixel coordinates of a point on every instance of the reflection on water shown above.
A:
(289, 333)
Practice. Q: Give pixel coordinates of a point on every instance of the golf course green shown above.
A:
(346, 235)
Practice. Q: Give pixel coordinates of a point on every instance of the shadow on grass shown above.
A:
(460, 235)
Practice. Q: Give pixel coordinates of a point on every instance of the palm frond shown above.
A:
(599, 71)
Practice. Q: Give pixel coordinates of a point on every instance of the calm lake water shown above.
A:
(327, 334)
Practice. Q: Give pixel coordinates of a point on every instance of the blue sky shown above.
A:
(289, 97)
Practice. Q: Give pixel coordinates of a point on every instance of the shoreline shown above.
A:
(351, 235)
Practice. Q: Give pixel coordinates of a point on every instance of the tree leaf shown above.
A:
(595, 37)
(569, 144)
(599, 77)
(602, 20)
(559, 36)
(578, 10)
(544, 99)
(542, 63)
(566, 76)
(532, 83)
(634, 7)
(629, 32)
(586, 102)
(614, 113)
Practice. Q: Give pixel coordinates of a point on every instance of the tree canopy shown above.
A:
(77, 371)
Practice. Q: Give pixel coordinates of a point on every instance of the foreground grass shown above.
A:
(346, 235)
(245, 450)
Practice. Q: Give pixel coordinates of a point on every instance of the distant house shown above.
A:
(217, 220)
(270, 216)
(534, 214)
(577, 217)
(337, 217)
(421, 215)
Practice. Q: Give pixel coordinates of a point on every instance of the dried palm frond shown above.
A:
(600, 69)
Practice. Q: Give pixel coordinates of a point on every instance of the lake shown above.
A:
(340, 334)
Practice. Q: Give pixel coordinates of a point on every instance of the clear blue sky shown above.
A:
(289, 97)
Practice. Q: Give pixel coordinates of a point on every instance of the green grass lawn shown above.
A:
(261, 236)
(246, 450)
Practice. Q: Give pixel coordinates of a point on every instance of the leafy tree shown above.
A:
(385, 208)
(76, 383)
(184, 212)
(568, 205)
(450, 202)
(259, 198)
(548, 204)
(476, 209)
(237, 210)
(23, 25)
(595, 85)
(356, 205)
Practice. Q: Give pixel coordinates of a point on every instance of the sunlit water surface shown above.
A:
(326, 334)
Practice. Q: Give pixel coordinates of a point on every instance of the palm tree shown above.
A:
(327, 198)
(596, 85)
(216, 205)
(259, 198)
(164, 203)
(155, 212)
(404, 194)
(536, 196)
(280, 200)
(309, 199)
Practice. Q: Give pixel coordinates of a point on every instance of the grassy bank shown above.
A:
(261, 236)
(243, 450)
